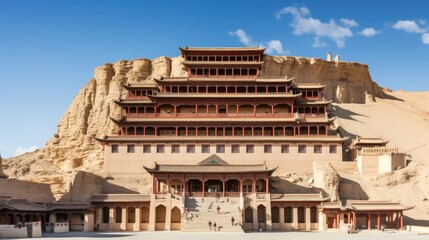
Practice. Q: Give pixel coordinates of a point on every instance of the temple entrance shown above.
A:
(194, 185)
(232, 185)
(213, 187)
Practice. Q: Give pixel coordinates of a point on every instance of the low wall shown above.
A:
(11, 231)
(418, 229)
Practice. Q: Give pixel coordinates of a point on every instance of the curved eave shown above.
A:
(222, 49)
(221, 63)
(139, 86)
(256, 139)
(155, 170)
(133, 102)
(312, 103)
(308, 87)
(226, 95)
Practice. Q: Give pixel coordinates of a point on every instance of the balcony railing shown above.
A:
(214, 115)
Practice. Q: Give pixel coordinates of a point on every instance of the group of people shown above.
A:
(215, 225)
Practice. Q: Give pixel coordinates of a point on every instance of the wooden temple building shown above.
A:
(212, 140)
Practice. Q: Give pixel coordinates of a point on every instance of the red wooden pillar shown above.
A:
(254, 183)
(354, 220)
(338, 220)
(241, 183)
(272, 110)
(237, 111)
(348, 218)
(402, 221)
(223, 186)
(254, 110)
(203, 187)
(266, 184)
(368, 218)
(175, 110)
(378, 221)
(168, 185)
(184, 185)
(153, 184)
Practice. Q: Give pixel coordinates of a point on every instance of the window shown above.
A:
(235, 148)
(317, 148)
(302, 148)
(175, 148)
(190, 149)
(285, 148)
(146, 148)
(250, 148)
(131, 148)
(332, 148)
(205, 148)
(118, 215)
(115, 148)
(160, 148)
(220, 148)
(267, 148)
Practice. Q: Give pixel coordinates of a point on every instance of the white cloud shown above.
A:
(425, 38)
(302, 23)
(408, 26)
(272, 46)
(243, 37)
(275, 46)
(20, 150)
(349, 22)
(369, 32)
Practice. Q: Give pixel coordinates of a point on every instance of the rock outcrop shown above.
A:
(326, 178)
(74, 147)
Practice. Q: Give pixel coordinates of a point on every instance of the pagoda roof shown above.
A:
(308, 86)
(302, 197)
(366, 141)
(239, 139)
(222, 49)
(225, 95)
(366, 205)
(273, 79)
(121, 102)
(212, 164)
(314, 102)
(223, 63)
(139, 85)
(20, 204)
(120, 198)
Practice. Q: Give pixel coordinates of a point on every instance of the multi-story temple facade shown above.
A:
(212, 141)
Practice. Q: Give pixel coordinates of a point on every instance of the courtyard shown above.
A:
(236, 236)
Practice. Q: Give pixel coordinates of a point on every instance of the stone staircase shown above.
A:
(201, 212)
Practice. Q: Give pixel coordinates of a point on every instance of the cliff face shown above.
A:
(75, 149)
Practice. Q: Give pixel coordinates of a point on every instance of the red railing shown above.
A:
(220, 115)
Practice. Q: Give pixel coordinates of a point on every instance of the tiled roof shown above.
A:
(375, 205)
(308, 86)
(120, 198)
(226, 49)
(303, 197)
(217, 63)
(211, 168)
(282, 139)
(274, 79)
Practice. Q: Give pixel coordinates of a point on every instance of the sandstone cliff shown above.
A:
(75, 149)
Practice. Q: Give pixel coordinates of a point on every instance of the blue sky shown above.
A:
(48, 49)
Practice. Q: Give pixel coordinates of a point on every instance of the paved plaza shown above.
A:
(364, 235)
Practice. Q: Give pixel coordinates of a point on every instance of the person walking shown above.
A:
(218, 209)
(214, 225)
(232, 221)
(210, 225)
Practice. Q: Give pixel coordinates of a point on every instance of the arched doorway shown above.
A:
(160, 214)
(262, 219)
(175, 219)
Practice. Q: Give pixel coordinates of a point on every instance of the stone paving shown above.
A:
(364, 235)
